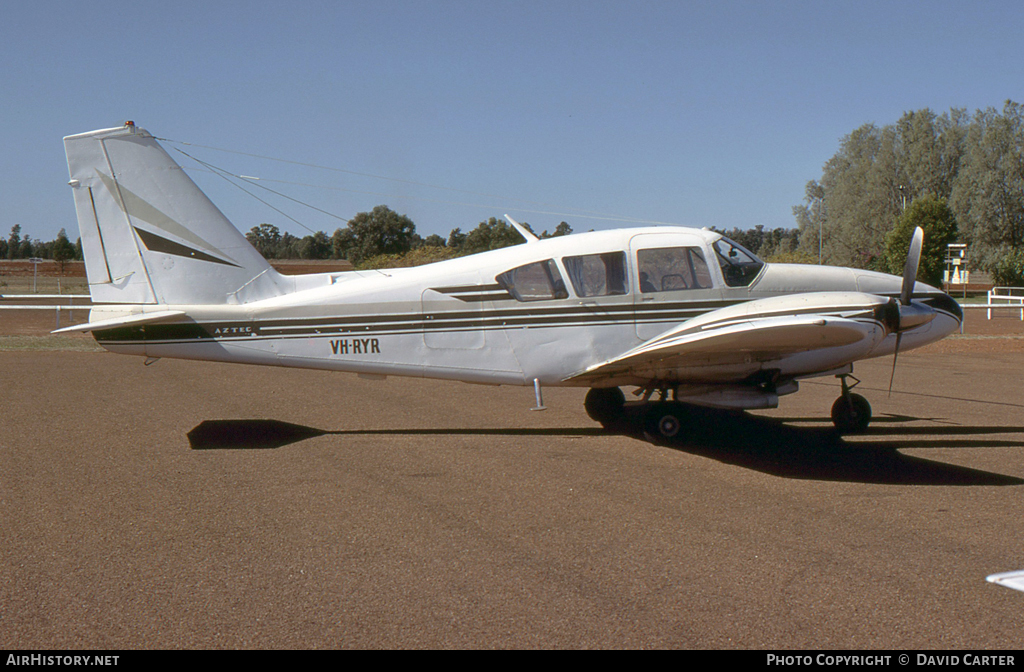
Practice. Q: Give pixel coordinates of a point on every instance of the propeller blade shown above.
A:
(908, 316)
(895, 354)
(910, 268)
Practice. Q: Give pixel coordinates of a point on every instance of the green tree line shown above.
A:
(60, 249)
(382, 238)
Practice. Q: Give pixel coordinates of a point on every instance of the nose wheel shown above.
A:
(851, 413)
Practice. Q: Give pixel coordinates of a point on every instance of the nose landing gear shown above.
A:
(851, 413)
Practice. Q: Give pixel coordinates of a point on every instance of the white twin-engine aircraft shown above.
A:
(684, 313)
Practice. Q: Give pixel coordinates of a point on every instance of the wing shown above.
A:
(795, 335)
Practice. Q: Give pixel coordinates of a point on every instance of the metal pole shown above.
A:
(821, 222)
(821, 206)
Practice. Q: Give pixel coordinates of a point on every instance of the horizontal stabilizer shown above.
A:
(116, 322)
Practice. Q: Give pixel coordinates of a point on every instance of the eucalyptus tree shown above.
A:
(988, 196)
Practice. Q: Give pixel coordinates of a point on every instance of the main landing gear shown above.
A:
(604, 405)
(661, 418)
(851, 412)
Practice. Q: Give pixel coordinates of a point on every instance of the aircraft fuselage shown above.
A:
(545, 310)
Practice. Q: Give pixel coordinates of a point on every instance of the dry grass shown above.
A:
(48, 344)
(19, 284)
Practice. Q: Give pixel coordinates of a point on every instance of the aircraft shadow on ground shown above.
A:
(769, 445)
(269, 434)
(775, 446)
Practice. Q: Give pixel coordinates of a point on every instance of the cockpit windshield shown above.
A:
(739, 265)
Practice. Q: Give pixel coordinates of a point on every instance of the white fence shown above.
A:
(55, 307)
(1011, 297)
(44, 296)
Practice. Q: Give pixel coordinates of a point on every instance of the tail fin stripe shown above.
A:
(135, 206)
(155, 243)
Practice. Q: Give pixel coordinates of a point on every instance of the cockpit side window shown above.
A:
(539, 281)
(597, 274)
(739, 265)
(666, 269)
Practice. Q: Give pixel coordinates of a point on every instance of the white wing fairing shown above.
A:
(663, 308)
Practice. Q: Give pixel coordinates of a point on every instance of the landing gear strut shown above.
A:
(851, 413)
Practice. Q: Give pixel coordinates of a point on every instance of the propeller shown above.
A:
(906, 310)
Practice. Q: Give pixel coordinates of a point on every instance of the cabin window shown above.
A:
(539, 281)
(667, 269)
(739, 265)
(597, 274)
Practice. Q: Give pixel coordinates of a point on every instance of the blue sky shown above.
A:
(602, 114)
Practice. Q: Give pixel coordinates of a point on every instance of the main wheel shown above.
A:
(851, 414)
(604, 404)
(665, 420)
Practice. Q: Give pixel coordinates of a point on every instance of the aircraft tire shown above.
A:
(851, 416)
(665, 420)
(604, 404)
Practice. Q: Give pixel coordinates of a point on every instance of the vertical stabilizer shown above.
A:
(149, 234)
